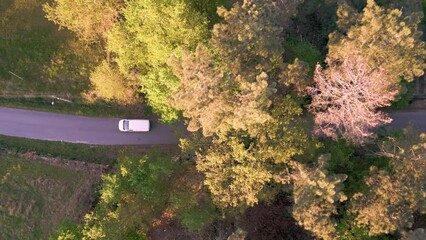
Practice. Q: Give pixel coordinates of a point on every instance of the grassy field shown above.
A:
(39, 190)
(99, 109)
(38, 59)
(71, 151)
(37, 195)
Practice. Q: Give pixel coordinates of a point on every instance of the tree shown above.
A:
(347, 16)
(131, 198)
(230, 84)
(128, 52)
(397, 194)
(235, 90)
(242, 169)
(150, 32)
(296, 76)
(315, 196)
(145, 189)
(200, 95)
(385, 39)
(249, 38)
(233, 175)
(90, 20)
(158, 84)
(110, 84)
(215, 100)
(346, 98)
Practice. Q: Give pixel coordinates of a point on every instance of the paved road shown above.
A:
(402, 118)
(78, 129)
(68, 128)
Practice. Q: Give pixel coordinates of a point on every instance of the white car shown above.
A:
(134, 125)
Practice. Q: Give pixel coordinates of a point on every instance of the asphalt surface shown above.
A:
(78, 129)
(104, 131)
(402, 119)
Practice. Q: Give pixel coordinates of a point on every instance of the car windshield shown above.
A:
(126, 125)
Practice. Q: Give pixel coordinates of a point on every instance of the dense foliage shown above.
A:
(91, 20)
(251, 79)
(144, 190)
(315, 195)
(142, 46)
(386, 38)
(397, 194)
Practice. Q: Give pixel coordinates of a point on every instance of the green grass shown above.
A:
(36, 59)
(36, 197)
(70, 151)
(99, 109)
(27, 40)
(47, 60)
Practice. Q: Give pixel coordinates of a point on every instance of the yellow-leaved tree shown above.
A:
(384, 37)
(316, 193)
(397, 194)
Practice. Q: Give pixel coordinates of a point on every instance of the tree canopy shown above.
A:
(150, 32)
(316, 193)
(244, 81)
(235, 89)
(397, 194)
(90, 20)
(346, 100)
(384, 37)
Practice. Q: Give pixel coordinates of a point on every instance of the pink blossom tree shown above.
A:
(346, 98)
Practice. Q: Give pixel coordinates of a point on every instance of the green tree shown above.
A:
(385, 37)
(201, 96)
(231, 85)
(302, 51)
(316, 193)
(397, 194)
(141, 190)
(347, 16)
(296, 76)
(90, 20)
(233, 174)
(150, 32)
(128, 51)
(129, 199)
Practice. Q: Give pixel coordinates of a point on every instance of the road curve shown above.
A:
(79, 129)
